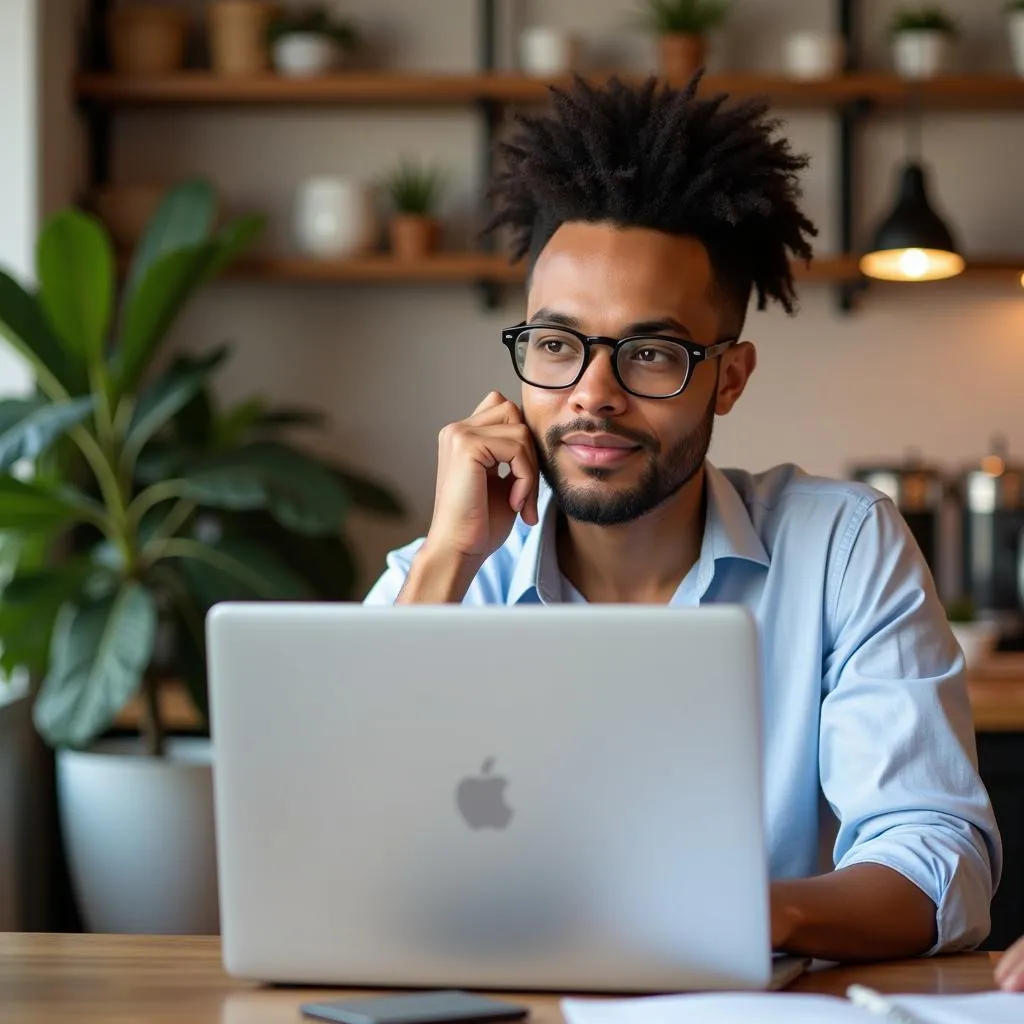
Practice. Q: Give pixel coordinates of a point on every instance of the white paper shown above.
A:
(790, 1008)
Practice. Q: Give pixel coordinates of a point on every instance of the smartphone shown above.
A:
(437, 1007)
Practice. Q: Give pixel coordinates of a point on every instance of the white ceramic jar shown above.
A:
(1015, 28)
(545, 52)
(921, 53)
(814, 55)
(335, 217)
(304, 54)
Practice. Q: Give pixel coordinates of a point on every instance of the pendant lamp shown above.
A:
(912, 243)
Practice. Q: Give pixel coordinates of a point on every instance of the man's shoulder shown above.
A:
(785, 497)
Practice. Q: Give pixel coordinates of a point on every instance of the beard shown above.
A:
(664, 475)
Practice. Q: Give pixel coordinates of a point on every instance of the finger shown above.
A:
(502, 412)
(506, 443)
(492, 399)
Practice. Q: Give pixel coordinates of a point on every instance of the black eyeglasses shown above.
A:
(647, 366)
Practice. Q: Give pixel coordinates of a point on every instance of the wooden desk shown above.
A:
(88, 979)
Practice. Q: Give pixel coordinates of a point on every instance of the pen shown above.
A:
(874, 1002)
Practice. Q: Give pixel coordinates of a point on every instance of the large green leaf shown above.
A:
(25, 326)
(100, 650)
(153, 306)
(28, 426)
(368, 494)
(327, 564)
(169, 394)
(35, 508)
(301, 493)
(184, 218)
(240, 569)
(233, 239)
(28, 609)
(75, 265)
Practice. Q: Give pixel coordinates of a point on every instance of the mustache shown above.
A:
(581, 426)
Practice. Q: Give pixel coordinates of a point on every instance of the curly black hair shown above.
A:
(660, 158)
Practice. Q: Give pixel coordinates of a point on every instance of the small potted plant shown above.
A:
(921, 38)
(309, 41)
(977, 639)
(682, 27)
(414, 190)
(1015, 23)
(146, 39)
(238, 36)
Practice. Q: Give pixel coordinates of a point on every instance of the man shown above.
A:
(649, 217)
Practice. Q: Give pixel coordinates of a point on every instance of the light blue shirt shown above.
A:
(865, 702)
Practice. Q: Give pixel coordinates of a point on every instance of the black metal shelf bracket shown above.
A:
(491, 113)
(98, 118)
(849, 117)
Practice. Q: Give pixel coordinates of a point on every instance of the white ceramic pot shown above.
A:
(545, 52)
(303, 54)
(814, 55)
(139, 837)
(1015, 27)
(976, 639)
(334, 217)
(921, 54)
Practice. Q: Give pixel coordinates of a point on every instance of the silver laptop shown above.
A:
(562, 798)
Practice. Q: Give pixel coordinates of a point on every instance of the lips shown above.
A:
(599, 441)
(599, 449)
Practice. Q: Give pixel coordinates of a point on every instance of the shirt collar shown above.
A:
(728, 533)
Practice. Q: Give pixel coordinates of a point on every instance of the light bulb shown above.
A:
(914, 263)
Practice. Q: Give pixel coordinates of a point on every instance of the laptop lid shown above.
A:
(563, 798)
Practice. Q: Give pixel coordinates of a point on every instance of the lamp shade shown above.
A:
(912, 243)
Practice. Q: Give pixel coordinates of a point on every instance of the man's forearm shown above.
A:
(863, 912)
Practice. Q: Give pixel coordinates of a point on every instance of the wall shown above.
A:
(938, 368)
(23, 766)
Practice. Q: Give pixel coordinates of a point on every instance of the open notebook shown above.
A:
(791, 1008)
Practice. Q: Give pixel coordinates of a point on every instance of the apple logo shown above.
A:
(481, 799)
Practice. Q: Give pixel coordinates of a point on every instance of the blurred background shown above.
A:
(330, 122)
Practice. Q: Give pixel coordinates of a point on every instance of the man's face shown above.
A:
(609, 456)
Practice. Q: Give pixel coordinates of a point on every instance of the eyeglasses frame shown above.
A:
(696, 354)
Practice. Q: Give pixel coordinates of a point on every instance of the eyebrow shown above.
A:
(556, 319)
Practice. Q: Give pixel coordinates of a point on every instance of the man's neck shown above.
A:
(642, 562)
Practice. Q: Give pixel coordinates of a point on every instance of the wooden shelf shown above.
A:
(494, 268)
(428, 89)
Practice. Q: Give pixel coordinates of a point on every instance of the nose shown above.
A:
(598, 392)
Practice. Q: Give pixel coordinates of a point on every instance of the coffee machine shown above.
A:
(919, 491)
(991, 501)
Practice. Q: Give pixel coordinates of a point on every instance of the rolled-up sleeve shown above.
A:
(898, 758)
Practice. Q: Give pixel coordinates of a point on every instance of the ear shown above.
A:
(738, 363)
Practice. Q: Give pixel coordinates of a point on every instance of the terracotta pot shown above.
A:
(238, 36)
(146, 40)
(126, 210)
(681, 55)
(414, 236)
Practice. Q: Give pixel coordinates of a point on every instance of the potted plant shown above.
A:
(146, 39)
(238, 36)
(1015, 22)
(977, 639)
(682, 27)
(414, 190)
(129, 505)
(309, 41)
(921, 38)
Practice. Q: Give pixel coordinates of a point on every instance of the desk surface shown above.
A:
(86, 979)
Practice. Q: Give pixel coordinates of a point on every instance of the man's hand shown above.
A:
(1010, 969)
(474, 507)
(863, 912)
